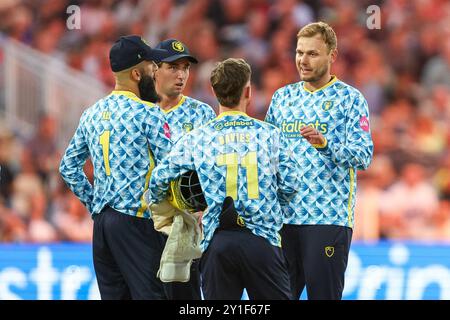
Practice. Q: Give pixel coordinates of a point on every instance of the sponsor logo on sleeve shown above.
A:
(364, 123)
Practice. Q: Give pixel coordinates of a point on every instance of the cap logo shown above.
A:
(177, 46)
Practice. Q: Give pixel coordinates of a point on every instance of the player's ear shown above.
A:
(155, 72)
(248, 91)
(334, 54)
(136, 74)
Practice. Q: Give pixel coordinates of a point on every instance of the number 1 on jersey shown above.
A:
(249, 162)
(104, 141)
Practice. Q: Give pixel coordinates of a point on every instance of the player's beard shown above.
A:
(147, 89)
(317, 75)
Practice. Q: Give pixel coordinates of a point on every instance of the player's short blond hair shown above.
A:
(322, 28)
(228, 80)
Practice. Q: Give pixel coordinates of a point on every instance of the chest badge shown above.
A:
(188, 126)
(327, 105)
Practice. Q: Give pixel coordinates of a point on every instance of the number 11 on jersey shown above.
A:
(250, 163)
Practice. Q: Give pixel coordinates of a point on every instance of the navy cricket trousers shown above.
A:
(127, 252)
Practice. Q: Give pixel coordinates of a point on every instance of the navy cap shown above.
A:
(175, 50)
(128, 51)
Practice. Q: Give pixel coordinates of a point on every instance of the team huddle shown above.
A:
(273, 201)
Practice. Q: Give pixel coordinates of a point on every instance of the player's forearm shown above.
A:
(288, 185)
(77, 181)
(71, 167)
(157, 193)
(157, 188)
(357, 156)
(288, 177)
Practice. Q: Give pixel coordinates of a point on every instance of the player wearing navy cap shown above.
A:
(125, 137)
(183, 114)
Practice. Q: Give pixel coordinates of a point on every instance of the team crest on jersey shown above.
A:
(177, 46)
(188, 126)
(329, 251)
(327, 105)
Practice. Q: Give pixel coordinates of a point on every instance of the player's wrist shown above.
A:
(323, 145)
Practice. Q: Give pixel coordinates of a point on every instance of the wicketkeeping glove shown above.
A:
(162, 215)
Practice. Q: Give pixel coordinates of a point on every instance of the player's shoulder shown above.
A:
(265, 130)
(282, 96)
(144, 105)
(207, 125)
(343, 88)
(197, 104)
(129, 99)
(288, 89)
(265, 125)
(94, 109)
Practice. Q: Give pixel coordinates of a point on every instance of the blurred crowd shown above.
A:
(403, 70)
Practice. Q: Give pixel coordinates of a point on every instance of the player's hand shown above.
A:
(198, 216)
(312, 135)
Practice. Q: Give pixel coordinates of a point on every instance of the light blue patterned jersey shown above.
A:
(124, 136)
(187, 115)
(341, 114)
(238, 156)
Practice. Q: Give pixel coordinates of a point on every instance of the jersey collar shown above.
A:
(131, 96)
(329, 83)
(183, 98)
(231, 113)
